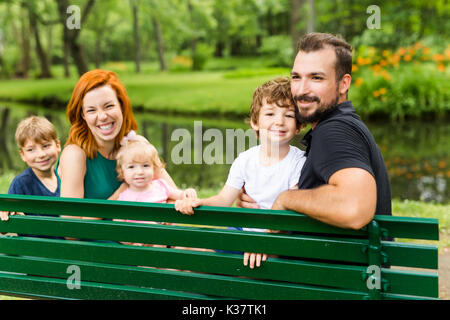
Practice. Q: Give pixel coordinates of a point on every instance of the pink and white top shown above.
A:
(157, 193)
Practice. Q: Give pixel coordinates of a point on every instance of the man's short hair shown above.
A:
(35, 128)
(276, 91)
(317, 41)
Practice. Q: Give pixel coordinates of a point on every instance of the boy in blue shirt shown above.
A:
(39, 148)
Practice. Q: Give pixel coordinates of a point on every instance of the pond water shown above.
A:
(199, 153)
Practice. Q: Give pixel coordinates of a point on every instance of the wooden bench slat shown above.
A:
(341, 249)
(389, 296)
(400, 227)
(53, 288)
(306, 272)
(325, 262)
(350, 250)
(412, 282)
(208, 284)
(411, 255)
(410, 227)
(274, 269)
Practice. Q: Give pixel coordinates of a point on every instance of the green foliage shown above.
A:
(248, 73)
(415, 91)
(203, 53)
(410, 81)
(279, 50)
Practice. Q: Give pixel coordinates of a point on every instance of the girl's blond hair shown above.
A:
(140, 150)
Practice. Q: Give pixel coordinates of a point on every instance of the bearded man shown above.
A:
(344, 181)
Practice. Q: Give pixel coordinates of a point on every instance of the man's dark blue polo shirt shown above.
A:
(341, 140)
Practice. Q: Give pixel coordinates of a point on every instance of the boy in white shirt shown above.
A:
(267, 169)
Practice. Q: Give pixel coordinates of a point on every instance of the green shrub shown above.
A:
(411, 81)
(279, 50)
(202, 54)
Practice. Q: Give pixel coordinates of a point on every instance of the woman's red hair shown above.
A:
(79, 133)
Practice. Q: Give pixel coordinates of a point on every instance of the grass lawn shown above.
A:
(189, 93)
(226, 93)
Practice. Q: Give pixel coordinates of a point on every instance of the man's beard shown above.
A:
(321, 112)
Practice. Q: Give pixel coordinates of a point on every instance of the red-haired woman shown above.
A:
(100, 115)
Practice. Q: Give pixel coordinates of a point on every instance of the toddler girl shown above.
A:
(137, 160)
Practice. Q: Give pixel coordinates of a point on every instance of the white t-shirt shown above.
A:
(264, 183)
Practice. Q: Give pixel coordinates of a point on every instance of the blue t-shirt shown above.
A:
(27, 183)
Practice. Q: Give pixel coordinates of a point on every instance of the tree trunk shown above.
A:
(41, 54)
(311, 16)
(137, 43)
(49, 46)
(270, 27)
(193, 38)
(220, 47)
(79, 57)
(159, 44)
(23, 66)
(296, 6)
(236, 43)
(66, 55)
(98, 51)
(70, 37)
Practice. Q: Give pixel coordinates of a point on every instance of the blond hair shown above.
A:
(35, 128)
(140, 150)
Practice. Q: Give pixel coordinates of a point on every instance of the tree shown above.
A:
(296, 6)
(71, 35)
(159, 44)
(23, 37)
(137, 41)
(34, 28)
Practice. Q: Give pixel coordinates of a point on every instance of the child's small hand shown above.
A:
(189, 193)
(4, 215)
(258, 257)
(186, 206)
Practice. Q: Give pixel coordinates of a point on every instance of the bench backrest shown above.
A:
(315, 260)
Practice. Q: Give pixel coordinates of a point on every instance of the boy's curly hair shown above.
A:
(276, 91)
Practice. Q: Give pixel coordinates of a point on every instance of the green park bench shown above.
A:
(315, 261)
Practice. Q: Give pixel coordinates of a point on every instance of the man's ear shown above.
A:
(344, 84)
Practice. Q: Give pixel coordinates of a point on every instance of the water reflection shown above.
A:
(416, 154)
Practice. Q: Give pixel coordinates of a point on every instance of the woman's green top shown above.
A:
(100, 180)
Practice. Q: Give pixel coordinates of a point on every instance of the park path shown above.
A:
(444, 274)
